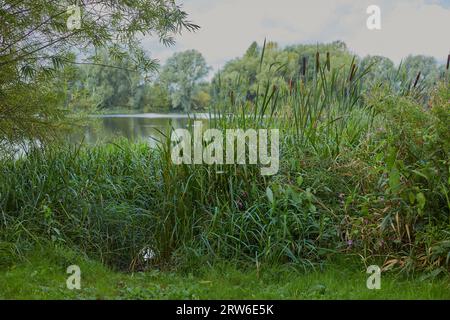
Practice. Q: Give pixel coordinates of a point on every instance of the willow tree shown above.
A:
(39, 37)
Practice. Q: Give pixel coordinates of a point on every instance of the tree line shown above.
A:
(181, 86)
(48, 71)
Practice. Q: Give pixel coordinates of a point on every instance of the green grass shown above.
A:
(362, 172)
(43, 276)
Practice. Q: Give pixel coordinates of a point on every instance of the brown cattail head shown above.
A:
(417, 80)
(448, 61)
(317, 61)
(328, 61)
(232, 97)
(303, 66)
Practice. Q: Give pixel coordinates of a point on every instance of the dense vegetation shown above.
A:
(44, 277)
(362, 171)
(176, 87)
(364, 151)
(37, 43)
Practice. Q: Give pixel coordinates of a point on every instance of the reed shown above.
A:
(350, 168)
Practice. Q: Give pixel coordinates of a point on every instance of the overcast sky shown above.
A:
(229, 26)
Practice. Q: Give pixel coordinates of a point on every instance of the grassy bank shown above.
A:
(43, 276)
(383, 193)
(363, 173)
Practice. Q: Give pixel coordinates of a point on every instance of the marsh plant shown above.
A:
(213, 151)
(363, 172)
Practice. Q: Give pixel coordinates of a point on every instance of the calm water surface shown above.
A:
(143, 126)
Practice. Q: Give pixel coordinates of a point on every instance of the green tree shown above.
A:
(279, 66)
(427, 66)
(182, 74)
(159, 97)
(36, 39)
(115, 85)
(381, 69)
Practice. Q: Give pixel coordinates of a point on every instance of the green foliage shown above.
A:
(43, 276)
(108, 85)
(362, 171)
(382, 69)
(202, 98)
(182, 74)
(281, 67)
(426, 66)
(410, 169)
(159, 97)
(36, 41)
(32, 108)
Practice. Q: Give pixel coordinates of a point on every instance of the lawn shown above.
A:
(43, 276)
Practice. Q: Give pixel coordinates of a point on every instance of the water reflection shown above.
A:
(149, 127)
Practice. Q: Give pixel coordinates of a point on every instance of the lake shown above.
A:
(142, 126)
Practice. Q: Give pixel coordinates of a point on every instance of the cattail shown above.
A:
(448, 61)
(417, 80)
(328, 61)
(290, 85)
(317, 61)
(304, 66)
(232, 97)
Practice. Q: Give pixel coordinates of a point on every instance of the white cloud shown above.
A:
(408, 28)
(229, 26)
